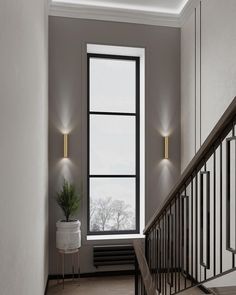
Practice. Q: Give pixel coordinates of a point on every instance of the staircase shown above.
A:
(191, 239)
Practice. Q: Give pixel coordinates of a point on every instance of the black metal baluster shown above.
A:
(153, 253)
(187, 237)
(179, 244)
(160, 257)
(182, 236)
(136, 278)
(165, 252)
(191, 230)
(175, 244)
(146, 248)
(170, 248)
(233, 257)
(228, 196)
(183, 227)
(205, 264)
(221, 209)
(155, 256)
(150, 252)
(168, 251)
(214, 212)
(208, 223)
(147, 254)
(163, 257)
(196, 227)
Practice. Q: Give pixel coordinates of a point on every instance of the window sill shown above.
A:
(115, 237)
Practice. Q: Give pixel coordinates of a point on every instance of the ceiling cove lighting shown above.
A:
(166, 147)
(65, 145)
(117, 5)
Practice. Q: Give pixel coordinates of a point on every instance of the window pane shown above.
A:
(112, 85)
(112, 145)
(112, 204)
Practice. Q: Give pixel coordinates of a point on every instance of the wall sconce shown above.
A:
(166, 147)
(65, 141)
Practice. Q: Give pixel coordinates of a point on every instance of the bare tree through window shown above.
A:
(107, 214)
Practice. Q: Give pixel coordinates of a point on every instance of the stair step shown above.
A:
(224, 290)
(194, 291)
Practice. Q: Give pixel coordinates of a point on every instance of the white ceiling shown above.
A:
(157, 6)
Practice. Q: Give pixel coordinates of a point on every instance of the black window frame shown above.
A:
(137, 164)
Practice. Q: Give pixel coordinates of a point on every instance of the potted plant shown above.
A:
(68, 235)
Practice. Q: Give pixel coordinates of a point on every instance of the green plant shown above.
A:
(68, 200)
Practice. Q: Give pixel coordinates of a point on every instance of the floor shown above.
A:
(101, 286)
(225, 291)
(95, 286)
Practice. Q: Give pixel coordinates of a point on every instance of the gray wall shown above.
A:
(214, 77)
(214, 74)
(23, 147)
(68, 109)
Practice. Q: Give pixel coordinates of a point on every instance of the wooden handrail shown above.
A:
(213, 140)
(144, 269)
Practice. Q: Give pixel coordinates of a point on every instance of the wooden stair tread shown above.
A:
(224, 290)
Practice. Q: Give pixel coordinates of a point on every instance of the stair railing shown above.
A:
(191, 239)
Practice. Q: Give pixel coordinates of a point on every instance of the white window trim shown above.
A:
(138, 52)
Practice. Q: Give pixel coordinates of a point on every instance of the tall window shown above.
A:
(113, 143)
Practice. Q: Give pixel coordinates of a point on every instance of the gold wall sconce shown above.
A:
(65, 145)
(166, 147)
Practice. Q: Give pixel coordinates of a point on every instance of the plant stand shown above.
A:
(75, 263)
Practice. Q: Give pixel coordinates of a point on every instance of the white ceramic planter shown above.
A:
(68, 235)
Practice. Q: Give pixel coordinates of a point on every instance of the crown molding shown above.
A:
(122, 15)
(114, 14)
(187, 10)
